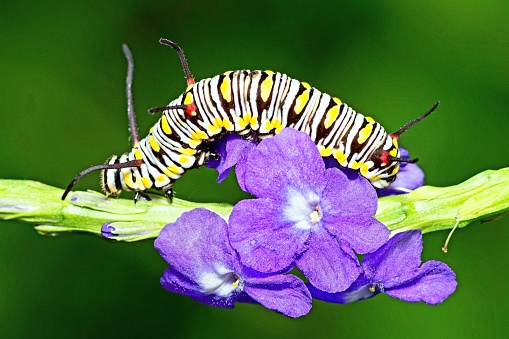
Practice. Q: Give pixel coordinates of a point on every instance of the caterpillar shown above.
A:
(255, 104)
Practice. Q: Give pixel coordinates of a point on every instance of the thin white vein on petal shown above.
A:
(221, 281)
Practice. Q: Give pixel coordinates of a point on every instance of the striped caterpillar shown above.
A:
(254, 104)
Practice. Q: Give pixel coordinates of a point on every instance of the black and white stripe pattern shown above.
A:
(259, 104)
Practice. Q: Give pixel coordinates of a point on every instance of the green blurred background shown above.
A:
(62, 109)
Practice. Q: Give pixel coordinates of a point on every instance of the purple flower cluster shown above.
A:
(206, 268)
(303, 216)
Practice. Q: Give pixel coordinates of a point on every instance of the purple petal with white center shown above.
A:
(264, 241)
(289, 158)
(288, 294)
(432, 283)
(327, 265)
(401, 254)
(173, 281)
(196, 245)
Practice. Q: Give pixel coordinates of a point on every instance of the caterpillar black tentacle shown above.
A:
(254, 104)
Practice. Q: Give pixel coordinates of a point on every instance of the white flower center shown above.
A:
(316, 215)
(221, 282)
(302, 208)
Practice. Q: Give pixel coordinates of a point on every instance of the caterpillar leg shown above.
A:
(139, 196)
(168, 191)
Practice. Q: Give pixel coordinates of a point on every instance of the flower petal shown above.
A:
(364, 234)
(287, 294)
(264, 241)
(401, 254)
(327, 265)
(173, 281)
(359, 290)
(289, 158)
(432, 283)
(196, 244)
(232, 149)
(348, 195)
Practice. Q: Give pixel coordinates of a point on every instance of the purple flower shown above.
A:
(232, 150)
(395, 269)
(206, 268)
(305, 215)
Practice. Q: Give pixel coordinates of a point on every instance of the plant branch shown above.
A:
(427, 208)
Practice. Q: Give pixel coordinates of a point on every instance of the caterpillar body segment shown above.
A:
(256, 104)
(259, 103)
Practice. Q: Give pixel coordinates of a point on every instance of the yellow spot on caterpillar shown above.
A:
(370, 120)
(199, 134)
(128, 179)
(394, 152)
(227, 124)
(340, 157)
(301, 101)
(253, 122)
(365, 133)
(269, 72)
(189, 87)
(151, 129)
(153, 143)
(226, 88)
(395, 170)
(337, 101)
(146, 182)
(361, 166)
(188, 99)
(193, 143)
(266, 126)
(175, 169)
(165, 126)
(213, 130)
(325, 151)
(331, 116)
(395, 142)
(276, 124)
(244, 121)
(374, 178)
(266, 87)
(306, 85)
(187, 151)
(137, 154)
(364, 169)
(218, 123)
(184, 159)
(160, 178)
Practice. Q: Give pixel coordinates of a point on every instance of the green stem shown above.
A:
(427, 208)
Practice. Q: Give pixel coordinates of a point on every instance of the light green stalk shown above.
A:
(427, 208)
